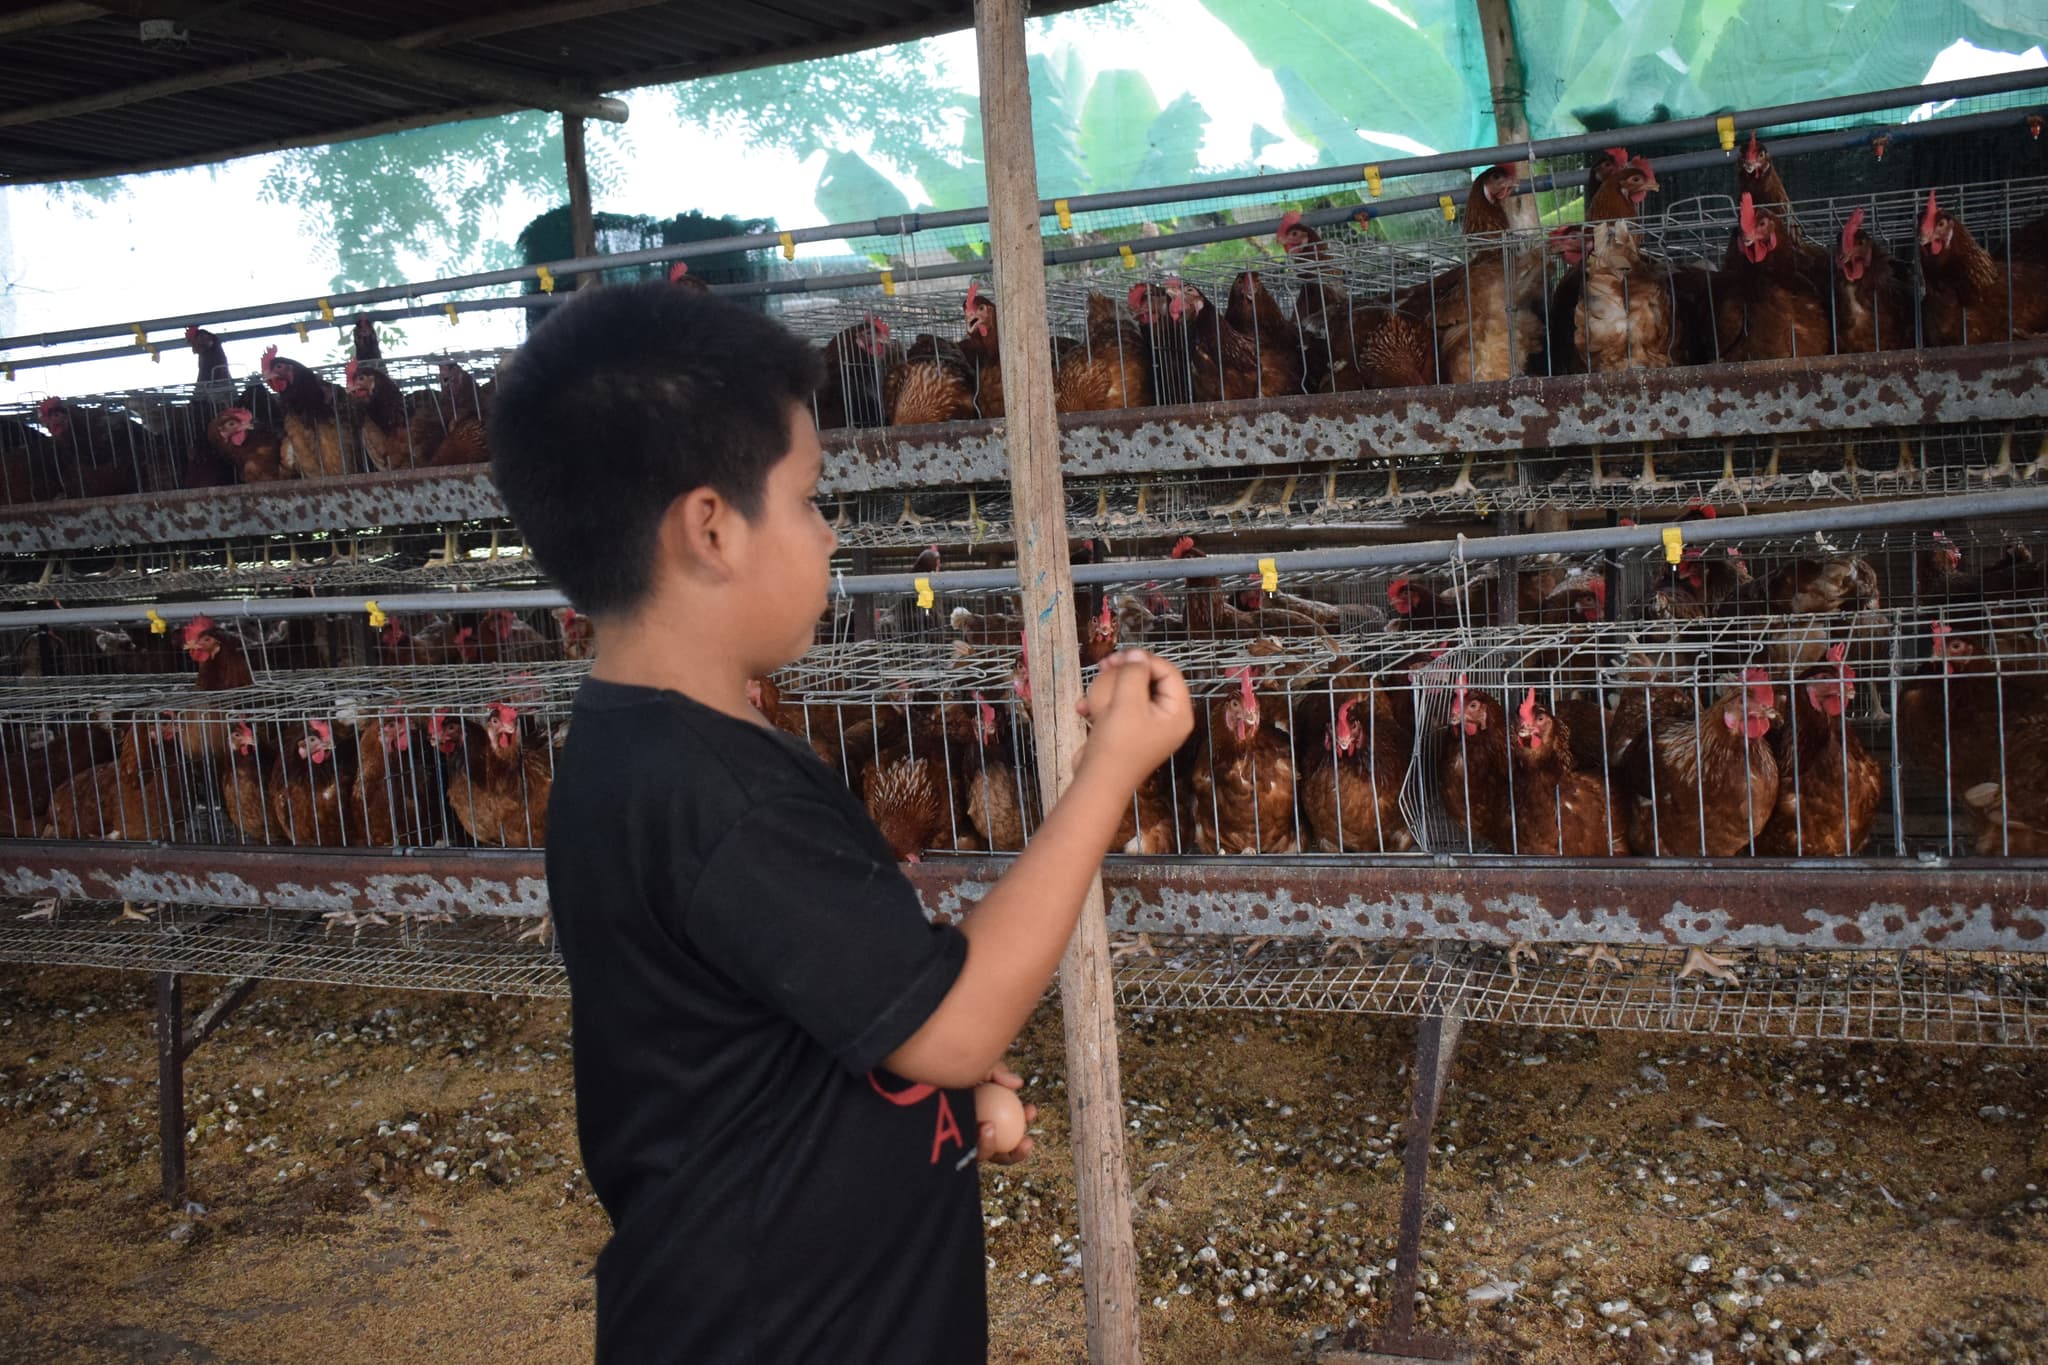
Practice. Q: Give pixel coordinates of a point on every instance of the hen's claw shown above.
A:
(41, 910)
(1596, 954)
(543, 932)
(1700, 962)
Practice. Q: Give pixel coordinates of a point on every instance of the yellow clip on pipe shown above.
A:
(1725, 126)
(925, 597)
(1674, 544)
(1269, 575)
(1372, 181)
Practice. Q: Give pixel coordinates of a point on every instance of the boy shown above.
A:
(774, 1049)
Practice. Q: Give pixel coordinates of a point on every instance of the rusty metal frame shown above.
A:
(1905, 388)
(1899, 903)
(1764, 398)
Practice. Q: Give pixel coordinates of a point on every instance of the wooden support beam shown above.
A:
(213, 78)
(1509, 84)
(391, 59)
(37, 18)
(1087, 989)
(582, 226)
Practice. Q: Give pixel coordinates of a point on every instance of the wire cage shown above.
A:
(360, 417)
(422, 757)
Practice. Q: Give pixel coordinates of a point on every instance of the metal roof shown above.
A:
(104, 89)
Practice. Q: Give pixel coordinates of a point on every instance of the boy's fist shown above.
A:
(1138, 712)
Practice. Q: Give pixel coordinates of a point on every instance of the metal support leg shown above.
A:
(174, 1043)
(1436, 1040)
(170, 1083)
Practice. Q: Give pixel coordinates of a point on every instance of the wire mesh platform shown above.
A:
(1970, 999)
(1980, 999)
(479, 953)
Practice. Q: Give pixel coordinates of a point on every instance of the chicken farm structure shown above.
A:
(1632, 618)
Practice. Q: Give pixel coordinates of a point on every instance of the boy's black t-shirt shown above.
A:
(742, 954)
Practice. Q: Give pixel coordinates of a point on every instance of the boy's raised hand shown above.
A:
(1139, 713)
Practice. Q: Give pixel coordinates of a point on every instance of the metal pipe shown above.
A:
(905, 224)
(1593, 540)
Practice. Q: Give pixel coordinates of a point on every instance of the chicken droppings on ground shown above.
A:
(380, 1175)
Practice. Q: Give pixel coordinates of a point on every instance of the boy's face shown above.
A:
(789, 548)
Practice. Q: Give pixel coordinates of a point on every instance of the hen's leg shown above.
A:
(1123, 946)
(2040, 464)
(1596, 954)
(45, 909)
(1517, 951)
(1285, 502)
(1463, 485)
(1700, 962)
(1727, 485)
(1241, 502)
(2002, 469)
(909, 515)
(542, 932)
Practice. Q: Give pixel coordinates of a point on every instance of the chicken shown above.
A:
(465, 410)
(1112, 367)
(501, 637)
(1704, 783)
(39, 760)
(385, 809)
(1101, 637)
(245, 783)
(1873, 300)
(363, 339)
(1951, 723)
(905, 796)
(934, 382)
(385, 425)
(309, 789)
(1569, 243)
(255, 453)
(318, 443)
(817, 726)
(497, 783)
(1222, 362)
(1473, 766)
(1559, 810)
(1242, 787)
(94, 454)
(1210, 615)
(1486, 327)
(438, 642)
(1757, 176)
(579, 633)
(855, 361)
(1253, 312)
(1769, 306)
(213, 357)
(223, 667)
(136, 796)
(1349, 345)
(983, 351)
(1828, 784)
(1351, 794)
(1973, 296)
(1623, 320)
(1001, 792)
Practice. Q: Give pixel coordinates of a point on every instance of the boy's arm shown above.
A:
(1140, 712)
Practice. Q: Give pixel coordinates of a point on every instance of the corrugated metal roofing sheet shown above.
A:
(232, 90)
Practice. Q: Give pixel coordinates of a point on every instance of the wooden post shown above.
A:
(1031, 432)
(582, 227)
(1504, 74)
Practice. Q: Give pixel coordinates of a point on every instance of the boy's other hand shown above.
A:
(1139, 713)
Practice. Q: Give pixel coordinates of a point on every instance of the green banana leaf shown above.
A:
(1115, 118)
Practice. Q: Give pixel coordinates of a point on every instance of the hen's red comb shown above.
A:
(973, 294)
(1747, 214)
(678, 270)
(1181, 547)
(1927, 218)
(1850, 229)
(1529, 708)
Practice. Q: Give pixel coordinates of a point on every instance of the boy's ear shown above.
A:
(698, 534)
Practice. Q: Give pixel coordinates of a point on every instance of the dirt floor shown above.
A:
(375, 1177)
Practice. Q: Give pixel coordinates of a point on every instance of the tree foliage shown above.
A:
(427, 192)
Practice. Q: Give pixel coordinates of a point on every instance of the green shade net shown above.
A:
(1597, 64)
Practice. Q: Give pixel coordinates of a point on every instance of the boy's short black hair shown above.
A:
(625, 399)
